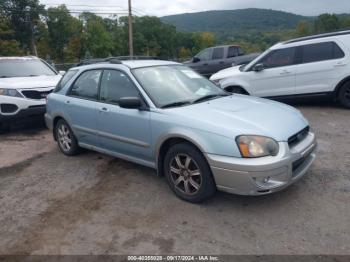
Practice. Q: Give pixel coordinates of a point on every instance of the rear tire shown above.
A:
(66, 139)
(344, 95)
(188, 173)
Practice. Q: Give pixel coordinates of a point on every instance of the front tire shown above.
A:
(66, 140)
(4, 128)
(236, 90)
(344, 95)
(188, 173)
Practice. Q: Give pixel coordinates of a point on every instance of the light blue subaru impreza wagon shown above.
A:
(165, 116)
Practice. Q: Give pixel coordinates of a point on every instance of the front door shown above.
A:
(123, 131)
(279, 74)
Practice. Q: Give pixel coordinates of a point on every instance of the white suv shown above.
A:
(315, 65)
(24, 84)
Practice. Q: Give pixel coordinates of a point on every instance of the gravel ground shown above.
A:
(95, 204)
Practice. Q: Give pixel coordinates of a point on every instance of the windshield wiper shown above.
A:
(208, 97)
(175, 104)
(5, 76)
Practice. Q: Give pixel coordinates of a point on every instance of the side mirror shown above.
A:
(195, 60)
(258, 67)
(62, 73)
(130, 102)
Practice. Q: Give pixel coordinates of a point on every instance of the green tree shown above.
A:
(327, 23)
(96, 38)
(63, 29)
(202, 41)
(8, 46)
(303, 28)
(24, 16)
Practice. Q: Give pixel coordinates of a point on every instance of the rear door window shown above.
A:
(321, 52)
(86, 86)
(218, 53)
(232, 51)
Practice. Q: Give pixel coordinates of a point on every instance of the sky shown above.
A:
(166, 7)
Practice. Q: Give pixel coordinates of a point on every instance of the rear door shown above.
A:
(123, 131)
(321, 67)
(278, 76)
(81, 106)
(217, 61)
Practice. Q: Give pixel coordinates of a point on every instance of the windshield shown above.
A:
(176, 85)
(24, 68)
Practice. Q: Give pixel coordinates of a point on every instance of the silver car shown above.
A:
(165, 116)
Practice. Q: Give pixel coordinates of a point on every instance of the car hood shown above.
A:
(29, 82)
(228, 72)
(243, 115)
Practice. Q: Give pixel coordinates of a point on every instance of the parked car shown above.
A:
(165, 116)
(309, 66)
(213, 59)
(24, 84)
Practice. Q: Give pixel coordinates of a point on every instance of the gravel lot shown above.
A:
(95, 204)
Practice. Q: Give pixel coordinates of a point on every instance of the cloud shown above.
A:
(161, 7)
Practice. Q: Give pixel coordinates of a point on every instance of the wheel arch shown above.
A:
(166, 144)
(54, 123)
(339, 85)
(230, 88)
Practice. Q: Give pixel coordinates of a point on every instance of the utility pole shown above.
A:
(31, 27)
(131, 44)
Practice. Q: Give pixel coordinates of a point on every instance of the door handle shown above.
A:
(68, 102)
(205, 64)
(340, 64)
(285, 72)
(221, 63)
(104, 109)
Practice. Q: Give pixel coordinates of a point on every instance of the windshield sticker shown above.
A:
(202, 92)
(191, 74)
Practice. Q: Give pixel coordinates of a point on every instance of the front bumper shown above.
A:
(20, 108)
(24, 113)
(263, 175)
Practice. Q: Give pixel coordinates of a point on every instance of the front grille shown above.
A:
(8, 108)
(33, 94)
(298, 137)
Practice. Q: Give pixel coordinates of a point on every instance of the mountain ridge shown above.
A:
(238, 19)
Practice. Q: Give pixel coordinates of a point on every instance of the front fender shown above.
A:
(206, 142)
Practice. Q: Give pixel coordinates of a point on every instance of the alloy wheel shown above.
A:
(185, 174)
(64, 137)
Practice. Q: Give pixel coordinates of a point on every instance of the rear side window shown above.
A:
(218, 53)
(321, 52)
(65, 79)
(232, 52)
(279, 58)
(86, 86)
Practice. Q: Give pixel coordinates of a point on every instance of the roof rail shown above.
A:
(111, 60)
(338, 33)
(137, 57)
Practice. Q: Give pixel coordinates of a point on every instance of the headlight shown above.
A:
(257, 146)
(9, 92)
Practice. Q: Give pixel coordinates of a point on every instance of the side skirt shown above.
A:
(119, 155)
